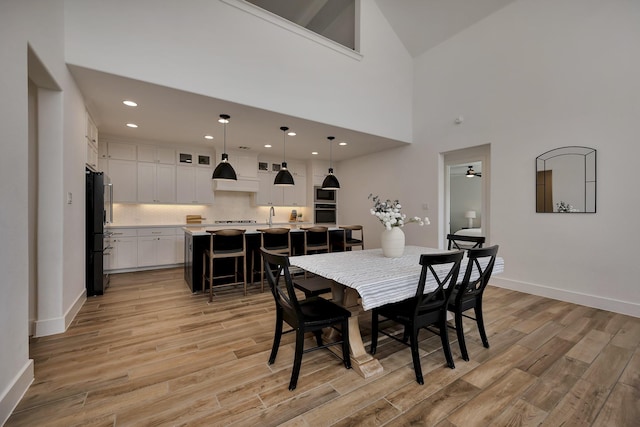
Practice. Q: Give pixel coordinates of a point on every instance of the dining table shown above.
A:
(366, 279)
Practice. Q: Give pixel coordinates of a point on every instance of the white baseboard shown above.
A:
(57, 325)
(16, 391)
(595, 301)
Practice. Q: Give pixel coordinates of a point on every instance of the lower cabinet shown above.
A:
(137, 249)
(125, 250)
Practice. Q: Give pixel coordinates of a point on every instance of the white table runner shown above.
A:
(377, 279)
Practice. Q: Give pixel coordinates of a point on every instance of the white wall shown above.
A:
(212, 48)
(536, 75)
(39, 25)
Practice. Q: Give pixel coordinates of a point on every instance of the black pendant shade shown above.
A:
(330, 181)
(224, 170)
(284, 177)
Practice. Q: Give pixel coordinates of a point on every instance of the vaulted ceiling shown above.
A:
(172, 116)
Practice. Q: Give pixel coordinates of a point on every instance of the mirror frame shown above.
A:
(589, 172)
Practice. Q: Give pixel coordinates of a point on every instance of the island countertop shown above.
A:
(201, 229)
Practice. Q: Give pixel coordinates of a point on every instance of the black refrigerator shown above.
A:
(96, 280)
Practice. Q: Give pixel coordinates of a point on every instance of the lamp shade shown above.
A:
(224, 170)
(470, 214)
(284, 177)
(330, 181)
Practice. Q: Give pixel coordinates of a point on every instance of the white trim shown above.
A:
(58, 325)
(15, 392)
(293, 27)
(609, 304)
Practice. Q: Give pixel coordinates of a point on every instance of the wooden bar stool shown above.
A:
(277, 240)
(350, 239)
(225, 243)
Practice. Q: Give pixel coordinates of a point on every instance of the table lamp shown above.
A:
(470, 215)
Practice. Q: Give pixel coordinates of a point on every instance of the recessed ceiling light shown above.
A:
(129, 103)
(132, 125)
(267, 145)
(315, 153)
(291, 134)
(342, 143)
(208, 137)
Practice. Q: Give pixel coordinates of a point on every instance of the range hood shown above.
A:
(243, 185)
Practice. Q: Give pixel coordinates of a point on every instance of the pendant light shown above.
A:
(224, 170)
(330, 181)
(284, 177)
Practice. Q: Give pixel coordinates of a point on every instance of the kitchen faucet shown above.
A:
(272, 213)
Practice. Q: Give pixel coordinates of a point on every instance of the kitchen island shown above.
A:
(196, 241)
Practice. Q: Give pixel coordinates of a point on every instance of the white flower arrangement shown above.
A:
(565, 207)
(388, 213)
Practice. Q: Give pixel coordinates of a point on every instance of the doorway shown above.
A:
(466, 192)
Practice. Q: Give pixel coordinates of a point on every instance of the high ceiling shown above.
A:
(173, 116)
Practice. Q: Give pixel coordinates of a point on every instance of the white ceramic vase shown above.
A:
(392, 242)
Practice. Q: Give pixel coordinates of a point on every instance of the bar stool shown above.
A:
(349, 239)
(225, 243)
(277, 240)
(316, 239)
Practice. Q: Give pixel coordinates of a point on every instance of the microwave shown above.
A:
(323, 196)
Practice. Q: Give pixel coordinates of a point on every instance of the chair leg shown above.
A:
(346, 357)
(244, 274)
(444, 337)
(415, 355)
(480, 322)
(211, 279)
(318, 335)
(460, 334)
(297, 361)
(204, 269)
(374, 331)
(276, 338)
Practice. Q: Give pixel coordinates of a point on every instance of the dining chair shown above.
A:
(353, 236)
(309, 315)
(276, 239)
(224, 243)
(468, 293)
(461, 242)
(422, 310)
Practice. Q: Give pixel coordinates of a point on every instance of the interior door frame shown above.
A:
(481, 153)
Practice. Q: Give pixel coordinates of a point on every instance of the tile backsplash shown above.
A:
(228, 205)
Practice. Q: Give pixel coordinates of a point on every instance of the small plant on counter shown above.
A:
(565, 207)
(388, 212)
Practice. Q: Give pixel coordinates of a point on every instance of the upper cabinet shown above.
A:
(145, 173)
(91, 138)
(153, 154)
(270, 195)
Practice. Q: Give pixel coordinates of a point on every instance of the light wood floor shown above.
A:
(149, 352)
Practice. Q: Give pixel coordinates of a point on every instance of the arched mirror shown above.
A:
(566, 180)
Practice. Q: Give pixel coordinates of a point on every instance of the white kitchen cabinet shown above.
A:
(92, 156)
(120, 151)
(179, 242)
(124, 176)
(156, 183)
(156, 246)
(270, 195)
(91, 138)
(154, 154)
(194, 185)
(125, 249)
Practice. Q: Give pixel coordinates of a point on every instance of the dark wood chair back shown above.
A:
(461, 242)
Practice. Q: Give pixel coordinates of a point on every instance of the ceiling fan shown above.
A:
(471, 173)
